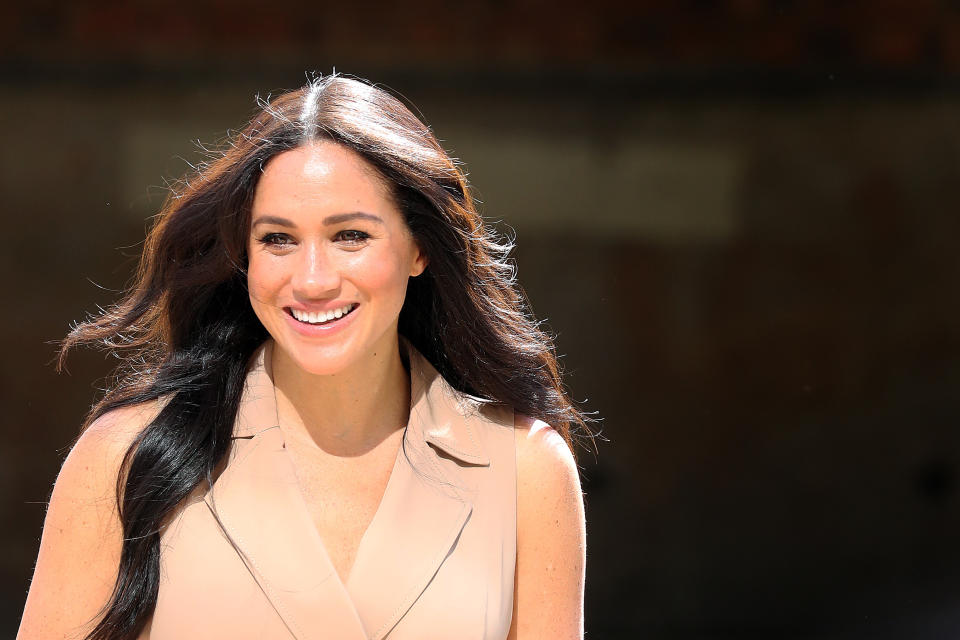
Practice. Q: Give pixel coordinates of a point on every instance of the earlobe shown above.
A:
(419, 264)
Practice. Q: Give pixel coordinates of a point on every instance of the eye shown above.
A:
(353, 236)
(276, 240)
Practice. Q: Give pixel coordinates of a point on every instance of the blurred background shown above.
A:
(738, 217)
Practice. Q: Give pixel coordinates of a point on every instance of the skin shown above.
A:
(80, 546)
(326, 233)
(551, 537)
(342, 397)
(349, 390)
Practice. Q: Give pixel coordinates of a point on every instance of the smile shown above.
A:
(322, 317)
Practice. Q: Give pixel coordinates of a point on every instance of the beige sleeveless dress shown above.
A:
(245, 561)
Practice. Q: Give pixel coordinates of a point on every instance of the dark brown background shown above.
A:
(739, 217)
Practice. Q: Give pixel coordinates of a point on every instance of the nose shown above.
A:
(316, 276)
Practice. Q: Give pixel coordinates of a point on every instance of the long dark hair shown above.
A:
(185, 330)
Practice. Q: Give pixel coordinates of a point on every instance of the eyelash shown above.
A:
(361, 236)
(270, 238)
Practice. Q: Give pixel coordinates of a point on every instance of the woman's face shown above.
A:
(329, 258)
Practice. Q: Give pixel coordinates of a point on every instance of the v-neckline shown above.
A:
(258, 504)
(300, 497)
(303, 505)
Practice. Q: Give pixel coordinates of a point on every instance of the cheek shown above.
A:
(383, 273)
(263, 280)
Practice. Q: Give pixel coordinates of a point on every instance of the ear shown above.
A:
(420, 262)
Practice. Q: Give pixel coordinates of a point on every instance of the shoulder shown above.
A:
(86, 484)
(85, 488)
(88, 476)
(82, 535)
(551, 535)
(101, 447)
(549, 494)
(119, 427)
(544, 457)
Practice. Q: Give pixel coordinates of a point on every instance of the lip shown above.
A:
(311, 330)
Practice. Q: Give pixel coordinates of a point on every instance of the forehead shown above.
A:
(322, 174)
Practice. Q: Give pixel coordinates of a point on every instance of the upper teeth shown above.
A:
(320, 316)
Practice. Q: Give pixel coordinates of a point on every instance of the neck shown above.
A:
(346, 414)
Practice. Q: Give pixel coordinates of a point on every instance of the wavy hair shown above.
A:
(185, 330)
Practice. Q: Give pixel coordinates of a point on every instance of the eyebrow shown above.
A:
(329, 220)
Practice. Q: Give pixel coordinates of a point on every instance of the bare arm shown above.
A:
(80, 547)
(551, 537)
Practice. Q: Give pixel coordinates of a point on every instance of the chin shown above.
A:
(320, 368)
(318, 361)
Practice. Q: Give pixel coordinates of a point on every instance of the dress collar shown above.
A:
(258, 506)
(437, 410)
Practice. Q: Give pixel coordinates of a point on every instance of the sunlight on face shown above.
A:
(330, 255)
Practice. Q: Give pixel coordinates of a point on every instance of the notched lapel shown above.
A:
(442, 414)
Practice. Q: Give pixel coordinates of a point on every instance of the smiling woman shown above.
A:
(336, 416)
(307, 258)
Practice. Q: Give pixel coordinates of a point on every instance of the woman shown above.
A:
(333, 417)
